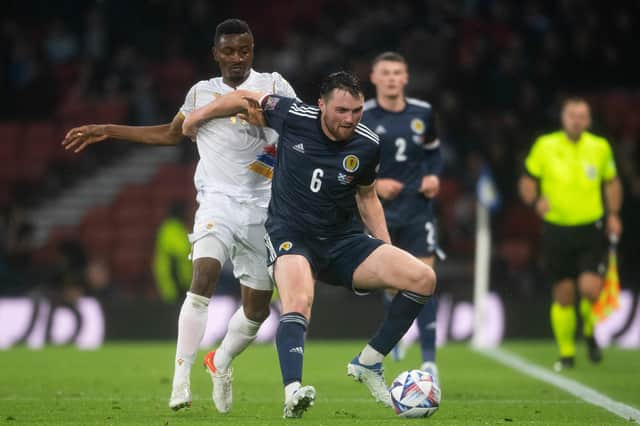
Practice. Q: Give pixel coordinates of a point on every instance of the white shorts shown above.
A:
(224, 228)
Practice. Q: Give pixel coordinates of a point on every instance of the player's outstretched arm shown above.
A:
(230, 104)
(79, 138)
(372, 213)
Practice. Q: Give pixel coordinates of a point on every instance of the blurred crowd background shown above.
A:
(494, 71)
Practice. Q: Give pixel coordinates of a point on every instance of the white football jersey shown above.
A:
(234, 155)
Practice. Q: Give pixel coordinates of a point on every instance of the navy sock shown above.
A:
(290, 344)
(387, 298)
(404, 308)
(427, 327)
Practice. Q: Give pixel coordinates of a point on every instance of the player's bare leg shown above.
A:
(296, 289)
(191, 327)
(242, 330)
(390, 267)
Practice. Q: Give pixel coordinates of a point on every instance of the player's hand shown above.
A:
(190, 125)
(388, 189)
(253, 114)
(430, 186)
(79, 138)
(614, 225)
(542, 206)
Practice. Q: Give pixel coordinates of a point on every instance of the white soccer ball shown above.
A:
(415, 394)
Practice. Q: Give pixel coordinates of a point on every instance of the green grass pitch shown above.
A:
(129, 384)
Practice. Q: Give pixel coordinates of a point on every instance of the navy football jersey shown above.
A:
(315, 179)
(409, 150)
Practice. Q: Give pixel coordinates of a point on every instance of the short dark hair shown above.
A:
(231, 26)
(342, 80)
(389, 56)
(573, 100)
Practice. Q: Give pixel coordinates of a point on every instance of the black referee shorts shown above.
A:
(568, 251)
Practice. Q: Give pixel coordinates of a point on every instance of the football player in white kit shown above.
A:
(233, 181)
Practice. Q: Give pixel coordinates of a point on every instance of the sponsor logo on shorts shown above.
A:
(351, 163)
(285, 246)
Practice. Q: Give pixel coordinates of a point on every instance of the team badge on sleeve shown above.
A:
(351, 163)
(285, 246)
(271, 103)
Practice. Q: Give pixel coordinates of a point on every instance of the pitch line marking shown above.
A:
(577, 389)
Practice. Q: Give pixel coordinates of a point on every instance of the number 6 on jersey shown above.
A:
(316, 182)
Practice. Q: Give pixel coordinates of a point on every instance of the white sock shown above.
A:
(370, 356)
(240, 333)
(290, 389)
(191, 326)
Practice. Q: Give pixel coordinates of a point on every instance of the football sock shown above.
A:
(563, 323)
(427, 327)
(405, 307)
(370, 356)
(240, 333)
(387, 298)
(290, 345)
(588, 319)
(191, 325)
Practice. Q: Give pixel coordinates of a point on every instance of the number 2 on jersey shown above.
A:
(316, 182)
(401, 144)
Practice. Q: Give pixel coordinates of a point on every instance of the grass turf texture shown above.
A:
(130, 384)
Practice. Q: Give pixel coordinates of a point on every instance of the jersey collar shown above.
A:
(249, 80)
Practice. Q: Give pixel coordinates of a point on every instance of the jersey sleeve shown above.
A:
(189, 101)
(432, 163)
(276, 110)
(533, 162)
(282, 87)
(609, 170)
(370, 174)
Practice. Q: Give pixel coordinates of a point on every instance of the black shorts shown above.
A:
(568, 251)
(418, 238)
(332, 260)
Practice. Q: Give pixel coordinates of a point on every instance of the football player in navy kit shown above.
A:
(410, 165)
(324, 175)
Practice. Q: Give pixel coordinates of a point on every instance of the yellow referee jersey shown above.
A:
(571, 175)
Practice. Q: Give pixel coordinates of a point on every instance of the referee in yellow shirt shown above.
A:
(568, 173)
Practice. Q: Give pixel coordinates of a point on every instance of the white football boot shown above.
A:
(299, 402)
(180, 396)
(222, 393)
(373, 377)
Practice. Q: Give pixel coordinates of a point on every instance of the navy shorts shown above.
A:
(418, 238)
(333, 260)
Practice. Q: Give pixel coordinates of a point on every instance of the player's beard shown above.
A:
(338, 132)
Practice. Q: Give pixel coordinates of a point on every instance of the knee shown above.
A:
(563, 293)
(422, 280)
(300, 303)
(205, 275)
(590, 286)
(257, 314)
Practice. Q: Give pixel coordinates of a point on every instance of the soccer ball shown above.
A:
(415, 394)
